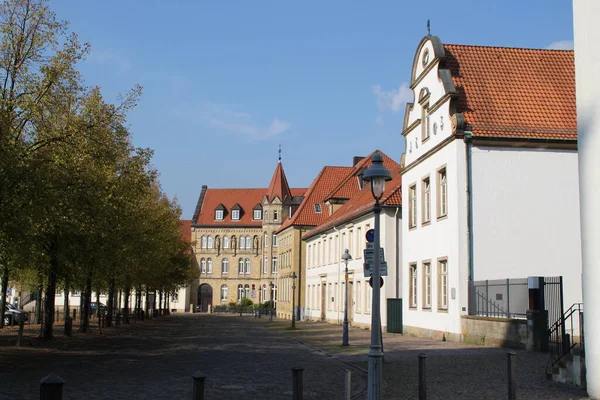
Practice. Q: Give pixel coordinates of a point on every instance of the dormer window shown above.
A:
(318, 209)
(257, 214)
(219, 215)
(235, 214)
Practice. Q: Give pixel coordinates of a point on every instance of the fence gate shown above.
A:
(394, 315)
(552, 304)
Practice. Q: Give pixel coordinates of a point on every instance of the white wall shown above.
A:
(526, 215)
(441, 238)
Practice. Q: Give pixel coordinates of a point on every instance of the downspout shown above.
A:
(468, 150)
(397, 236)
(299, 308)
(339, 269)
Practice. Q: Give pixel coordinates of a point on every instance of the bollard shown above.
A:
(297, 388)
(422, 376)
(68, 326)
(74, 314)
(348, 385)
(198, 391)
(21, 326)
(512, 376)
(51, 388)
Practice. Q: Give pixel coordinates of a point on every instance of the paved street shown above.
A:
(246, 358)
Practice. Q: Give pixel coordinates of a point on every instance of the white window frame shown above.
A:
(209, 242)
(219, 215)
(426, 267)
(203, 265)
(240, 266)
(224, 293)
(209, 264)
(266, 239)
(426, 199)
(265, 265)
(413, 288)
(274, 264)
(442, 186)
(425, 129)
(242, 242)
(225, 242)
(225, 266)
(257, 214)
(235, 215)
(443, 284)
(203, 241)
(412, 206)
(247, 263)
(274, 240)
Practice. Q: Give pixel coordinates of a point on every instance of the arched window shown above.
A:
(247, 265)
(202, 265)
(241, 266)
(240, 292)
(225, 242)
(224, 293)
(248, 242)
(264, 293)
(225, 266)
(209, 265)
(210, 242)
(247, 291)
(266, 239)
(203, 242)
(242, 242)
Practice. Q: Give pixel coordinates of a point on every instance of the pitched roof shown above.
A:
(514, 92)
(306, 215)
(246, 198)
(363, 202)
(350, 185)
(185, 227)
(279, 185)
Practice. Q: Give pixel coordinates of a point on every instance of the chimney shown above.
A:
(356, 160)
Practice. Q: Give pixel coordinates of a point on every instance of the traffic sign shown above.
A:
(370, 235)
(368, 269)
(380, 282)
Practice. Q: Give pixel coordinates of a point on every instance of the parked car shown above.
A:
(12, 314)
(93, 308)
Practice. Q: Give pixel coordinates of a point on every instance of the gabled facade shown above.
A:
(346, 229)
(490, 177)
(235, 245)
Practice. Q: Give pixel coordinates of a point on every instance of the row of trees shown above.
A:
(80, 206)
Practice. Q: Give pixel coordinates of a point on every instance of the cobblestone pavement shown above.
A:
(247, 358)
(241, 358)
(454, 370)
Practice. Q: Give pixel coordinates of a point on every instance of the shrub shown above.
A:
(246, 302)
(268, 304)
(232, 304)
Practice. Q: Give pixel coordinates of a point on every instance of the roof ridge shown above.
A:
(307, 194)
(505, 47)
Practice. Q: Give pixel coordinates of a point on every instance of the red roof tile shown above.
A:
(305, 215)
(185, 226)
(246, 198)
(363, 201)
(513, 92)
(350, 185)
(279, 185)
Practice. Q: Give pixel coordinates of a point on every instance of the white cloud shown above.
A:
(561, 45)
(235, 119)
(394, 99)
(111, 56)
(379, 120)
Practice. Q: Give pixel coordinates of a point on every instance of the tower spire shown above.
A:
(279, 153)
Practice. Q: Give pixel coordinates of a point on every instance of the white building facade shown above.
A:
(490, 186)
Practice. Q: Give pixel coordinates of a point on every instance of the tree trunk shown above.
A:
(137, 303)
(3, 295)
(146, 306)
(126, 301)
(85, 306)
(49, 301)
(154, 303)
(66, 300)
(160, 298)
(110, 303)
(119, 303)
(98, 304)
(38, 304)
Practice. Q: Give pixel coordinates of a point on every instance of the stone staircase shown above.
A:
(570, 368)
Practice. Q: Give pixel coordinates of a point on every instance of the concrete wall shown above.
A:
(526, 215)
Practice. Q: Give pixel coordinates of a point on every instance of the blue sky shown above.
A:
(226, 82)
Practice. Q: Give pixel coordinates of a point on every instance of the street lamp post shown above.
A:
(293, 299)
(272, 286)
(377, 174)
(346, 257)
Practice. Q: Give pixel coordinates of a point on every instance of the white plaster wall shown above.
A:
(441, 238)
(334, 272)
(526, 215)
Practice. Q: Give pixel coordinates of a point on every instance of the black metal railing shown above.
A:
(565, 334)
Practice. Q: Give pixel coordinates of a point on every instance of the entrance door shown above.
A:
(204, 297)
(323, 300)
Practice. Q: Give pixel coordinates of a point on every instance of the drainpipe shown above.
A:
(299, 314)
(397, 236)
(468, 156)
(339, 271)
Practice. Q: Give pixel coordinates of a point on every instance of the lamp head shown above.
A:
(294, 275)
(377, 174)
(346, 257)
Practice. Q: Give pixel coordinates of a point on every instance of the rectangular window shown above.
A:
(351, 241)
(442, 190)
(265, 265)
(219, 215)
(235, 214)
(425, 122)
(443, 284)
(427, 284)
(275, 215)
(369, 293)
(257, 214)
(412, 206)
(413, 286)
(426, 199)
(274, 240)
(318, 209)
(274, 265)
(331, 298)
(358, 296)
(359, 239)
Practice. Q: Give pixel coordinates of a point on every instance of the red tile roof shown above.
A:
(305, 215)
(363, 202)
(246, 198)
(513, 92)
(279, 185)
(185, 227)
(350, 185)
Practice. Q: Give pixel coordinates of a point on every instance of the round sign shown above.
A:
(370, 235)
(380, 281)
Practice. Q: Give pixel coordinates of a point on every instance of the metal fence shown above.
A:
(500, 298)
